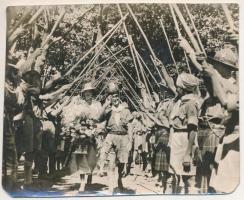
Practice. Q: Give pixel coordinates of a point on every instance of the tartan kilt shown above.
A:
(162, 154)
(162, 160)
(208, 142)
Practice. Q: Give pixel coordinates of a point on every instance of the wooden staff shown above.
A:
(49, 36)
(228, 17)
(166, 37)
(103, 76)
(187, 29)
(105, 86)
(168, 79)
(130, 99)
(141, 69)
(94, 58)
(145, 38)
(117, 60)
(92, 61)
(142, 32)
(72, 27)
(109, 58)
(178, 32)
(132, 94)
(149, 82)
(187, 63)
(130, 43)
(165, 74)
(175, 21)
(127, 83)
(36, 15)
(91, 50)
(113, 55)
(143, 62)
(88, 66)
(195, 29)
(54, 28)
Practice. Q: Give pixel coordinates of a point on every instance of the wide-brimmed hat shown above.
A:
(88, 86)
(215, 112)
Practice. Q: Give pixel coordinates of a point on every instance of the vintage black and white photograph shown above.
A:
(121, 99)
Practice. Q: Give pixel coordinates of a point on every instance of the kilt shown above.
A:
(162, 160)
(208, 141)
(162, 152)
(178, 146)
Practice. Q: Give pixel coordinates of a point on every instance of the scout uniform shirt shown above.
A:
(119, 118)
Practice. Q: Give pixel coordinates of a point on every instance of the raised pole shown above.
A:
(145, 38)
(195, 29)
(187, 29)
(130, 43)
(91, 50)
(228, 16)
(54, 28)
(166, 37)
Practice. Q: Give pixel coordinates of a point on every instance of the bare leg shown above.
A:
(83, 180)
(111, 176)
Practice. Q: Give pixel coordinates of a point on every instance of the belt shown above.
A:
(181, 130)
(118, 132)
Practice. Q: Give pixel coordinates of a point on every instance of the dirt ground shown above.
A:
(136, 183)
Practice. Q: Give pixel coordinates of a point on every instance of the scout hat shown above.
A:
(88, 86)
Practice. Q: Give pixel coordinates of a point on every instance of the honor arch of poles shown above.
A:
(141, 75)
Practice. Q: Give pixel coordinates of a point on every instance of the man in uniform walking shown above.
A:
(117, 143)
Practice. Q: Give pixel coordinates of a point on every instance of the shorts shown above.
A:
(118, 144)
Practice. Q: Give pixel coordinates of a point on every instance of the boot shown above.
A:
(120, 185)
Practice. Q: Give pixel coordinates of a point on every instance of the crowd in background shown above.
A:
(185, 134)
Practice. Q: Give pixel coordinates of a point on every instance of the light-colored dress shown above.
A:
(85, 159)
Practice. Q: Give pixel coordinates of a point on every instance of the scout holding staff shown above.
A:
(184, 122)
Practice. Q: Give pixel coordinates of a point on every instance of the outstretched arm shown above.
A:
(166, 76)
(190, 52)
(217, 85)
(29, 63)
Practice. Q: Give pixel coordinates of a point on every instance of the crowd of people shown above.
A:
(187, 139)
